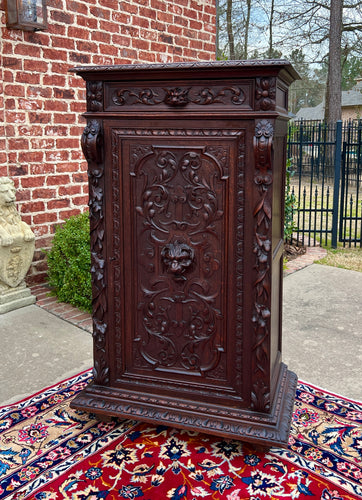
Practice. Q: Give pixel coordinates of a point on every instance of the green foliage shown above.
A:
(290, 203)
(351, 71)
(69, 263)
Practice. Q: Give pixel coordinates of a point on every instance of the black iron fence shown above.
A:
(327, 181)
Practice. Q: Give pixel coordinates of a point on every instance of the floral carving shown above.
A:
(262, 250)
(265, 94)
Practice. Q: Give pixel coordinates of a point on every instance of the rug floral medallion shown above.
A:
(49, 451)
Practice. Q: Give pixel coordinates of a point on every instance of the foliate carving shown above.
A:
(179, 96)
(94, 96)
(117, 252)
(262, 250)
(179, 223)
(265, 94)
(220, 157)
(91, 145)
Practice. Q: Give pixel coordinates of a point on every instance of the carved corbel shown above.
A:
(91, 141)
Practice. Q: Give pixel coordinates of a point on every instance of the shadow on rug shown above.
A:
(49, 451)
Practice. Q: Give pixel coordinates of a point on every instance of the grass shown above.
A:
(345, 258)
(315, 211)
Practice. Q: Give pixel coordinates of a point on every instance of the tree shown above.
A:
(328, 32)
(244, 53)
(234, 22)
(332, 109)
(271, 28)
(230, 31)
(326, 26)
(351, 70)
(309, 90)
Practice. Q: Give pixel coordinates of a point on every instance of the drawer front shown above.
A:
(181, 96)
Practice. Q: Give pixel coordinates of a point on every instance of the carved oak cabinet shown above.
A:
(186, 186)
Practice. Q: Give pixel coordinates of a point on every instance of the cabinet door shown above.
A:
(176, 206)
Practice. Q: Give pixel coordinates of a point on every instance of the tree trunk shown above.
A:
(229, 27)
(333, 111)
(271, 20)
(247, 25)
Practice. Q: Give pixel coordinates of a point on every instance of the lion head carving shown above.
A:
(177, 258)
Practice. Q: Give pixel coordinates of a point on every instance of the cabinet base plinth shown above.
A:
(270, 429)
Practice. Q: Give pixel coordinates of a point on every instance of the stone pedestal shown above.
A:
(14, 298)
(16, 252)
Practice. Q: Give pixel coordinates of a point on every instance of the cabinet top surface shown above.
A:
(239, 68)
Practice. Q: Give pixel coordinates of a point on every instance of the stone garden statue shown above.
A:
(16, 251)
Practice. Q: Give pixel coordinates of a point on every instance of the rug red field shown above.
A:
(49, 451)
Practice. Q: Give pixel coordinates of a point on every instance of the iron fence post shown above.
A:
(337, 178)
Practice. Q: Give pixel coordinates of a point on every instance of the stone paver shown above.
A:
(64, 311)
(312, 254)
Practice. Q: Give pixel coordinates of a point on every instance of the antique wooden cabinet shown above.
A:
(186, 187)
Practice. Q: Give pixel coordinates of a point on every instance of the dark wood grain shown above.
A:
(186, 177)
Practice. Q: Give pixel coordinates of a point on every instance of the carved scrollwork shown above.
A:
(91, 141)
(173, 180)
(145, 96)
(236, 95)
(262, 249)
(95, 96)
(265, 94)
(179, 221)
(180, 96)
(91, 145)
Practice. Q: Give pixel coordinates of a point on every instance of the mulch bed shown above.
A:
(293, 250)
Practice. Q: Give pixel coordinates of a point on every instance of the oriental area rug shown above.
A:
(49, 451)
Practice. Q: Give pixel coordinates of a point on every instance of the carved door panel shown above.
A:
(175, 197)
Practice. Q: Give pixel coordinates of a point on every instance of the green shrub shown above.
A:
(290, 204)
(69, 263)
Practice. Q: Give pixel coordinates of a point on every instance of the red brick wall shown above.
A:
(41, 103)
